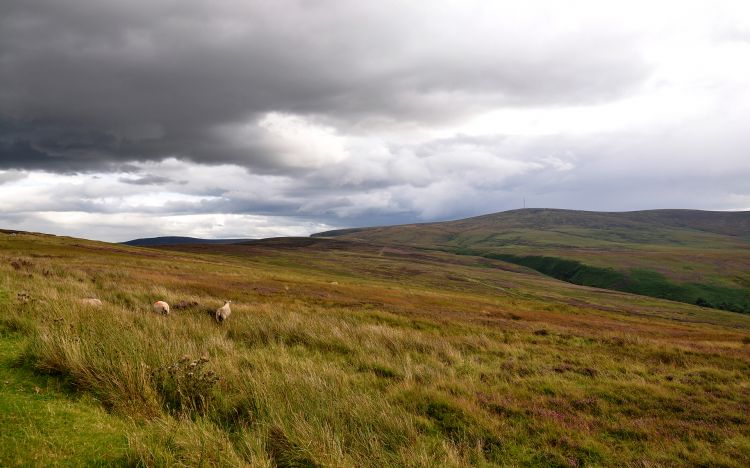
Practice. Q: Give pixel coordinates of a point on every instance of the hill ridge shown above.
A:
(176, 240)
(672, 217)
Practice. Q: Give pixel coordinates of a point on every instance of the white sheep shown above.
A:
(223, 312)
(161, 307)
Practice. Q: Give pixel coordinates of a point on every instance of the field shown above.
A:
(344, 353)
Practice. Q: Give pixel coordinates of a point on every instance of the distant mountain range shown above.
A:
(177, 240)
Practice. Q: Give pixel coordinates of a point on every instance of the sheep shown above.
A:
(90, 301)
(223, 312)
(161, 307)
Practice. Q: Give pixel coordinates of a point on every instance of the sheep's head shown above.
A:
(227, 302)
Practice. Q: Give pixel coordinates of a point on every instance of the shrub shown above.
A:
(185, 386)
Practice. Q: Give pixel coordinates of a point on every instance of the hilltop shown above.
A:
(651, 226)
(699, 257)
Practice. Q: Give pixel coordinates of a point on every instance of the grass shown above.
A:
(45, 424)
(351, 355)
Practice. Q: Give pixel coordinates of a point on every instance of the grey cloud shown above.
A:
(91, 86)
(11, 176)
(457, 177)
(452, 178)
(149, 179)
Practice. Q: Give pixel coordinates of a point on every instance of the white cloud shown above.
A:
(293, 141)
(117, 227)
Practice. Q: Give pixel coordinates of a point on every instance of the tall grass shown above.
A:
(304, 378)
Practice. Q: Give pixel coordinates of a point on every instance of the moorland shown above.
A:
(344, 350)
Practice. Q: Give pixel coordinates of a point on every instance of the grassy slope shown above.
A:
(340, 353)
(692, 254)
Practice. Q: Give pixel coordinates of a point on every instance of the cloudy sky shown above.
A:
(237, 118)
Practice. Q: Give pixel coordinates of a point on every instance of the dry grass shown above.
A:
(412, 369)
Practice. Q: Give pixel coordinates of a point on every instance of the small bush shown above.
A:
(19, 263)
(185, 386)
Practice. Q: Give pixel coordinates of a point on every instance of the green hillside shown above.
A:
(344, 353)
(699, 257)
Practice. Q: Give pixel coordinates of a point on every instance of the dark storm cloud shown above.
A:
(90, 86)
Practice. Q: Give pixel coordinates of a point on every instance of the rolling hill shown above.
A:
(174, 240)
(735, 223)
(348, 353)
(692, 256)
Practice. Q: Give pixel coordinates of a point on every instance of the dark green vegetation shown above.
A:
(636, 281)
(698, 257)
(342, 353)
(176, 240)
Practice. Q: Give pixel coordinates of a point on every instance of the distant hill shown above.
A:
(176, 240)
(731, 223)
(692, 256)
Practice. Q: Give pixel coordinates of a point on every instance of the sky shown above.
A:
(250, 119)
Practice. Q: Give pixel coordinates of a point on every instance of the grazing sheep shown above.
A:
(90, 301)
(223, 312)
(161, 307)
